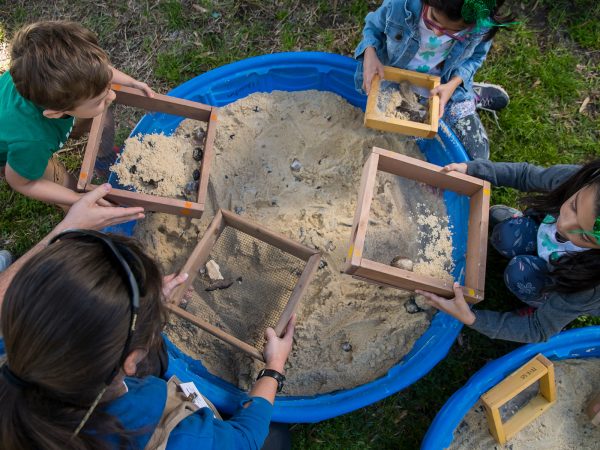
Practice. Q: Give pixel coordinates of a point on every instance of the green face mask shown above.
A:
(595, 233)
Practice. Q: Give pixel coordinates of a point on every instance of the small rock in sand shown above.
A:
(213, 270)
(198, 154)
(296, 165)
(411, 306)
(402, 263)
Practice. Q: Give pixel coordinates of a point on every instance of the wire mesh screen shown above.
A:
(408, 220)
(258, 280)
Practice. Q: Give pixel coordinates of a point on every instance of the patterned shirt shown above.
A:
(433, 50)
(548, 246)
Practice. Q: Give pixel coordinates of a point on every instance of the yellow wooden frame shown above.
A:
(539, 368)
(375, 120)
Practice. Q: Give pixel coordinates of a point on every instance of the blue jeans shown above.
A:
(526, 273)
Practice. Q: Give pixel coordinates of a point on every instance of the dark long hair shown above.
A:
(572, 272)
(65, 320)
(453, 10)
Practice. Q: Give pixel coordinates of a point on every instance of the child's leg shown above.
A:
(466, 124)
(81, 127)
(525, 276)
(516, 236)
(593, 409)
(106, 152)
(57, 173)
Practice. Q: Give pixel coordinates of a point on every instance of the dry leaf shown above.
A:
(584, 105)
(200, 9)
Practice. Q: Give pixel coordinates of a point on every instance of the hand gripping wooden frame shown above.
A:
(415, 169)
(200, 256)
(168, 105)
(539, 368)
(378, 121)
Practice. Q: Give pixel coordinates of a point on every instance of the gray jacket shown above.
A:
(559, 309)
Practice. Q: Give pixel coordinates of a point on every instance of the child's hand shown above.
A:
(143, 87)
(124, 79)
(456, 167)
(371, 67)
(457, 307)
(445, 92)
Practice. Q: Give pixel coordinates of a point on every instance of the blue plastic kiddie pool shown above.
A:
(578, 343)
(334, 73)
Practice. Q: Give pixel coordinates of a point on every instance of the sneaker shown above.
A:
(490, 97)
(500, 213)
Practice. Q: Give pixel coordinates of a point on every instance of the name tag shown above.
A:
(193, 394)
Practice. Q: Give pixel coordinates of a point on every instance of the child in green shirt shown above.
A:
(58, 73)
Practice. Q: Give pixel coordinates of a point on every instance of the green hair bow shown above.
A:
(479, 12)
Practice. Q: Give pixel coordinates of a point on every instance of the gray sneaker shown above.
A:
(490, 97)
(500, 213)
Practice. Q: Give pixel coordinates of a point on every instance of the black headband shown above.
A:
(14, 379)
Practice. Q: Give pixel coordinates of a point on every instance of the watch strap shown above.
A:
(279, 377)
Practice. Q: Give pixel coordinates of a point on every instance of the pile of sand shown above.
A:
(563, 426)
(292, 162)
(399, 101)
(168, 166)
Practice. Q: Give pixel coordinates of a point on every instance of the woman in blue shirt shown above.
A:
(78, 321)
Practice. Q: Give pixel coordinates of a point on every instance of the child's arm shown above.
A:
(124, 79)
(85, 214)
(466, 71)
(522, 176)
(557, 311)
(549, 319)
(373, 33)
(371, 44)
(43, 190)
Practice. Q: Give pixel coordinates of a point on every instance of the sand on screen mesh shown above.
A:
(163, 165)
(399, 101)
(348, 332)
(564, 426)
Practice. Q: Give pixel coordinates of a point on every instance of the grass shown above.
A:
(549, 64)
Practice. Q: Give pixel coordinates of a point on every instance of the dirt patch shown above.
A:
(292, 162)
(563, 426)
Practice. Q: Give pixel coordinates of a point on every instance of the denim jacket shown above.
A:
(393, 30)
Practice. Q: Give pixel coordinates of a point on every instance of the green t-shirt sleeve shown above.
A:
(29, 158)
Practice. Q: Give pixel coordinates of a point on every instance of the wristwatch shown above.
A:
(273, 374)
